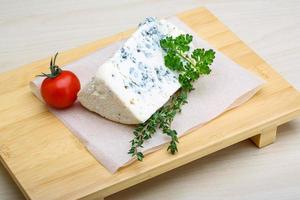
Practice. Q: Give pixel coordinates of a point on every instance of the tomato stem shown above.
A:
(54, 69)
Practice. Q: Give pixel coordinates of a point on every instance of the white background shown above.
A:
(35, 29)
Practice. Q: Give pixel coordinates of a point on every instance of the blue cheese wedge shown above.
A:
(134, 83)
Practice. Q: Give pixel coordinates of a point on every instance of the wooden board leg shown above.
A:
(98, 198)
(265, 137)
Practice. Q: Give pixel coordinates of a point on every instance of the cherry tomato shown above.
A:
(59, 89)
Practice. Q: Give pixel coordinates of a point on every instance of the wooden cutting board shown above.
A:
(48, 162)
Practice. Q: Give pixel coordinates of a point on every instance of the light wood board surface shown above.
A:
(289, 189)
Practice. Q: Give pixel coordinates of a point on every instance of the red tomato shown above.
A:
(59, 89)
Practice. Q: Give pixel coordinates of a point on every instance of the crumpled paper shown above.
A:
(228, 86)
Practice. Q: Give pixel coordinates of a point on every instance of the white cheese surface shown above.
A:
(134, 82)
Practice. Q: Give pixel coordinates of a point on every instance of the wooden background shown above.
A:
(30, 30)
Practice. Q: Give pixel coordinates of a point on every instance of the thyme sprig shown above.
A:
(189, 65)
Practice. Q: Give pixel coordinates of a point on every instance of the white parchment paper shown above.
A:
(228, 86)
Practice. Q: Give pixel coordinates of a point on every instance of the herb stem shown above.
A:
(185, 58)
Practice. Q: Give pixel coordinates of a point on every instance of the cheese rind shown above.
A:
(134, 83)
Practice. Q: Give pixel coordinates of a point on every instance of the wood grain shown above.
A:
(277, 103)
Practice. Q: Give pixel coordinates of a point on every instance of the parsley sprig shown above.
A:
(189, 65)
